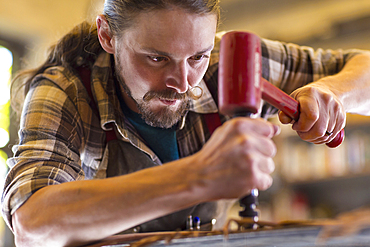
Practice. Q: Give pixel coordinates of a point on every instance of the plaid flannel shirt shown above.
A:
(61, 139)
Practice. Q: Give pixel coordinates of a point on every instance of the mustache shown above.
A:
(165, 95)
(172, 95)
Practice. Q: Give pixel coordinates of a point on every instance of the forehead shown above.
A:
(171, 30)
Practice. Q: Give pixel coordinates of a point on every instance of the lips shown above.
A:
(168, 102)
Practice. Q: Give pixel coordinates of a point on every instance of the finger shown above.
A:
(336, 122)
(321, 121)
(257, 126)
(264, 181)
(339, 125)
(276, 130)
(318, 133)
(285, 119)
(259, 180)
(254, 150)
(268, 166)
(309, 114)
(328, 136)
(260, 170)
(266, 128)
(259, 145)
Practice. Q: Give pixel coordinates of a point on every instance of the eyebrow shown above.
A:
(162, 53)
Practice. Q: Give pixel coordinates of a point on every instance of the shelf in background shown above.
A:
(341, 194)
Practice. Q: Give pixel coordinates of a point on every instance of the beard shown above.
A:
(167, 116)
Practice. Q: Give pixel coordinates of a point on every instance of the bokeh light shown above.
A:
(6, 66)
(4, 137)
(6, 63)
(3, 167)
(6, 60)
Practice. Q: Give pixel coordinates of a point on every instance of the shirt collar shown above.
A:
(205, 104)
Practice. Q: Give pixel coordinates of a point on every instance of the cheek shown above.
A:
(197, 74)
(139, 77)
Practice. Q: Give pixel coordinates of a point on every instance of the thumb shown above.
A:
(284, 119)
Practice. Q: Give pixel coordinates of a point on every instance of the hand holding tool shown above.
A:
(241, 88)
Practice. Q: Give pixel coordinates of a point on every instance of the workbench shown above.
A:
(285, 237)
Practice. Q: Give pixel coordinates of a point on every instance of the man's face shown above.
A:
(159, 58)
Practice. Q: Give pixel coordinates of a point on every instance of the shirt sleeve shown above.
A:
(50, 138)
(290, 66)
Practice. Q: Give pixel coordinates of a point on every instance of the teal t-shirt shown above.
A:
(162, 141)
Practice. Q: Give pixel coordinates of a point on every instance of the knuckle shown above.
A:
(246, 142)
(337, 107)
(312, 115)
(310, 90)
(249, 163)
(237, 125)
(328, 98)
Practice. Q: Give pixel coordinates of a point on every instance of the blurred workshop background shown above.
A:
(310, 181)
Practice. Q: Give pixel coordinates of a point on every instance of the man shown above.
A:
(149, 58)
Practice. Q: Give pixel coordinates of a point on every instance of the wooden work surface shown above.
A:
(289, 237)
(350, 229)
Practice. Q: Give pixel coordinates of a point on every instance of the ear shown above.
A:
(104, 34)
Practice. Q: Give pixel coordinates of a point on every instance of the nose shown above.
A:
(178, 77)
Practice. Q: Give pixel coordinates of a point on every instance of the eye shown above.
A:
(158, 59)
(199, 57)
